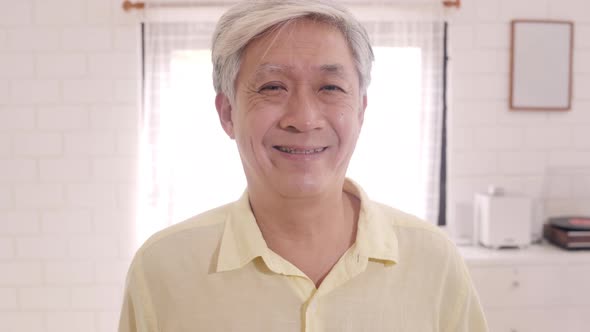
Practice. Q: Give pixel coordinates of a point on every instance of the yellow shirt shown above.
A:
(214, 272)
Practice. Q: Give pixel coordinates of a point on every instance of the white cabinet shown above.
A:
(538, 289)
(537, 320)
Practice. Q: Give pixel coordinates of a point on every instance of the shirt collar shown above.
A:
(376, 238)
(242, 240)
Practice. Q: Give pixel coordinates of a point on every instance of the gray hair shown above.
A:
(250, 19)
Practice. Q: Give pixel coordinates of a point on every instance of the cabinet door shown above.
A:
(579, 319)
(494, 285)
(533, 320)
(520, 287)
(577, 286)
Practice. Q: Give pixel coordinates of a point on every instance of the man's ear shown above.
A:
(362, 110)
(224, 110)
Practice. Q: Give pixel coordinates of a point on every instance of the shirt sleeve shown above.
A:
(127, 321)
(469, 315)
(137, 314)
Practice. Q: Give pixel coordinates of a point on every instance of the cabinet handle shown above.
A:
(513, 330)
(515, 284)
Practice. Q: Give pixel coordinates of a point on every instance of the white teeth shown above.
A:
(299, 151)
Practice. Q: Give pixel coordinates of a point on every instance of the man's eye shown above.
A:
(332, 87)
(271, 88)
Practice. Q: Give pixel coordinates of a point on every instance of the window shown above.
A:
(189, 165)
(386, 163)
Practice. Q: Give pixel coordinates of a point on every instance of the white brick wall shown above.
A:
(69, 273)
(6, 252)
(17, 66)
(491, 36)
(18, 222)
(106, 321)
(59, 12)
(37, 144)
(522, 151)
(523, 8)
(99, 298)
(62, 118)
(34, 92)
(22, 321)
(85, 39)
(118, 65)
(44, 298)
(582, 37)
(41, 247)
(8, 299)
(38, 196)
(30, 39)
(68, 221)
(85, 91)
(17, 118)
(64, 170)
(59, 65)
(17, 170)
(92, 196)
(15, 273)
(5, 197)
(69, 73)
(113, 118)
(71, 321)
(4, 93)
(69, 86)
(18, 14)
(90, 144)
(95, 246)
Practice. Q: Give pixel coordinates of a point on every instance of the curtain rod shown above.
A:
(455, 3)
(139, 5)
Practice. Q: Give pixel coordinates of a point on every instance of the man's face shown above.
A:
(298, 110)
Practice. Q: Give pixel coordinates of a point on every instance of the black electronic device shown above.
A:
(570, 232)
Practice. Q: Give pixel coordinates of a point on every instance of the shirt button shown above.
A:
(313, 307)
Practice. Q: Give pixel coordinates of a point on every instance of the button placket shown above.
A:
(313, 306)
(311, 309)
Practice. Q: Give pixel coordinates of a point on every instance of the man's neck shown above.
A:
(311, 233)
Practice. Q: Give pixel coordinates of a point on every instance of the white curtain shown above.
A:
(399, 151)
(188, 164)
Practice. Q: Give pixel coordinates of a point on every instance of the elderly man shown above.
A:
(304, 249)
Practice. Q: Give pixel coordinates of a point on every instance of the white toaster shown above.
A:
(502, 220)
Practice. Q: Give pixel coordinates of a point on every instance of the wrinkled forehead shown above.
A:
(304, 45)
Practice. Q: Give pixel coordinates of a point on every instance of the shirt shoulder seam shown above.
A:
(461, 302)
(189, 224)
(137, 273)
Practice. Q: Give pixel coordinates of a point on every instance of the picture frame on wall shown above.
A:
(541, 65)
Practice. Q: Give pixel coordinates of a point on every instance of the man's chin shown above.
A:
(306, 187)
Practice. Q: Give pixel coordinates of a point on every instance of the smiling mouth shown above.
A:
(298, 150)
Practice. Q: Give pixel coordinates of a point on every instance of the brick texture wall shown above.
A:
(543, 154)
(69, 89)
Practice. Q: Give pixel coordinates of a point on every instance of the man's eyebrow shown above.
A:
(267, 68)
(333, 69)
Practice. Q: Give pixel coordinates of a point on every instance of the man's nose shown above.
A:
(303, 112)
